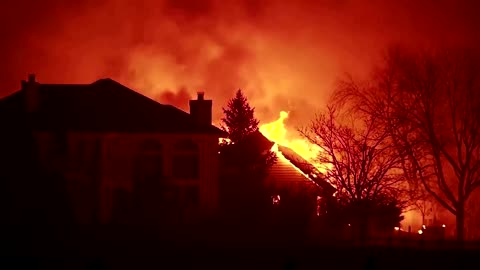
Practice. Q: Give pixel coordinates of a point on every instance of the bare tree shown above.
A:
(424, 207)
(430, 103)
(358, 157)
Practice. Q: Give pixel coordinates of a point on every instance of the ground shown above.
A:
(121, 248)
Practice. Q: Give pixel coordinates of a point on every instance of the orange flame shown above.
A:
(275, 131)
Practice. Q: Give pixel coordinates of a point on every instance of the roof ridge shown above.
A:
(103, 105)
(312, 173)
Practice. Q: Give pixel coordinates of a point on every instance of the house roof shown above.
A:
(257, 141)
(285, 174)
(290, 167)
(103, 106)
(307, 168)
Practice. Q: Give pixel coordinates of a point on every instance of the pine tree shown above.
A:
(239, 120)
(244, 161)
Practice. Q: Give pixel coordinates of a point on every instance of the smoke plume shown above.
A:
(285, 55)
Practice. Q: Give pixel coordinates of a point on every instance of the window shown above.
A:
(192, 196)
(121, 206)
(59, 143)
(150, 146)
(170, 195)
(149, 161)
(148, 174)
(186, 161)
(58, 150)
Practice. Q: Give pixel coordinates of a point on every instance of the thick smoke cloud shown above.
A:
(286, 55)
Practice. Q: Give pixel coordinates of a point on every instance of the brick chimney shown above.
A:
(32, 95)
(201, 110)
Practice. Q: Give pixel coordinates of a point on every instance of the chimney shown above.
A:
(201, 110)
(32, 95)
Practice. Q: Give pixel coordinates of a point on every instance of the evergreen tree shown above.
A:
(247, 148)
(245, 161)
(239, 120)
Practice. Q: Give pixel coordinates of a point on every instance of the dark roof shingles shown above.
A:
(258, 140)
(307, 168)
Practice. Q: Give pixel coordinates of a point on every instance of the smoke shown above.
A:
(285, 55)
(175, 98)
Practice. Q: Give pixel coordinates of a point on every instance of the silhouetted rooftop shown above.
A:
(307, 168)
(103, 106)
(258, 140)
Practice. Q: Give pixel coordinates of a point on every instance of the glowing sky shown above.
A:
(285, 55)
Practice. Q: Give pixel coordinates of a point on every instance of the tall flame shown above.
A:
(276, 131)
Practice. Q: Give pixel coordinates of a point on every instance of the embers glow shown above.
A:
(420, 232)
(224, 140)
(319, 201)
(276, 131)
(276, 199)
(397, 228)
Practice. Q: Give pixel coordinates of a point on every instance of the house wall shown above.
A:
(118, 172)
(97, 165)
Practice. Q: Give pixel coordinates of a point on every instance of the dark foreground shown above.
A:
(182, 248)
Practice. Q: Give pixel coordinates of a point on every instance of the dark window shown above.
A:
(186, 166)
(186, 160)
(149, 161)
(148, 176)
(97, 154)
(170, 194)
(59, 143)
(121, 206)
(151, 146)
(58, 152)
(149, 166)
(186, 146)
(192, 196)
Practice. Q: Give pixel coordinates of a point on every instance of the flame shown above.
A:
(276, 131)
(284, 159)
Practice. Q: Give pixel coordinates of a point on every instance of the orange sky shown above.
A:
(285, 55)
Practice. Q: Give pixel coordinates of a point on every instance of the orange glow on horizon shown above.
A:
(276, 131)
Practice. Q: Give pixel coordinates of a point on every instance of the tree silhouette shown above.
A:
(365, 217)
(246, 149)
(245, 160)
(430, 104)
(359, 159)
(239, 120)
